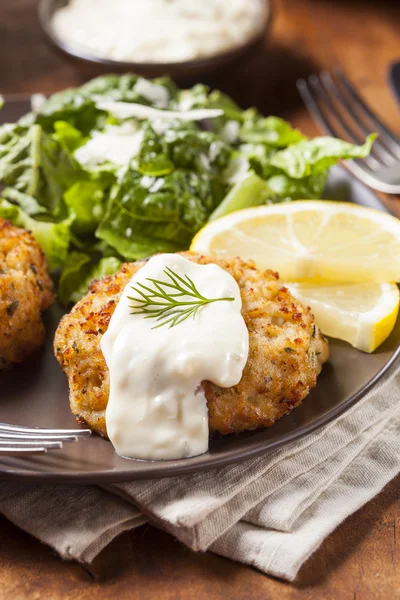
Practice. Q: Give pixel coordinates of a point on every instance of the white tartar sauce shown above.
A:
(158, 30)
(157, 408)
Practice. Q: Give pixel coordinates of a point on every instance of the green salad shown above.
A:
(124, 167)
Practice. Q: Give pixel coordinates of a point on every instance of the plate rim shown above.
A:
(160, 470)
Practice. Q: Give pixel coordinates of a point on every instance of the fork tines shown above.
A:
(341, 112)
(17, 440)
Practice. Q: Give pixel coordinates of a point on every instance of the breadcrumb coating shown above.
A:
(25, 292)
(286, 351)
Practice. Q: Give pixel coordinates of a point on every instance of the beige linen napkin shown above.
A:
(271, 512)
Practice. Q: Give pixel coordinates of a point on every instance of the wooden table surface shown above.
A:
(361, 559)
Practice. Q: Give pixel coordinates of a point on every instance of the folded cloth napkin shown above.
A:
(271, 512)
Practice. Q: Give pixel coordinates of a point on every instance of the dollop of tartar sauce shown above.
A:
(158, 30)
(157, 409)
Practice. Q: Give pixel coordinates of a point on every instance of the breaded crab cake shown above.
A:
(25, 292)
(286, 351)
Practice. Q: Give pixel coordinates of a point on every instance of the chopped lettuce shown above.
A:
(200, 151)
(27, 203)
(286, 188)
(156, 214)
(250, 191)
(153, 157)
(106, 266)
(86, 201)
(317, 155)
(123, 167)
(72, 106)
(259, 157)
(271, 131)
(74, 272)
(78, 273)
(54, 238)
(200, 97)
(37, 165)
(78, 107)
(68, 136)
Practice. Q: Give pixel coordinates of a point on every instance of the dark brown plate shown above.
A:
(36, 393)
(182, 70)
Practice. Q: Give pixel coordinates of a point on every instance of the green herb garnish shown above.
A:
(162, 301)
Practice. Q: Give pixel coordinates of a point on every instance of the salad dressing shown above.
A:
(158, 31)
(157, 408)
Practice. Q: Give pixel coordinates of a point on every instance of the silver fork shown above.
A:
(340, 111)
(17, 440)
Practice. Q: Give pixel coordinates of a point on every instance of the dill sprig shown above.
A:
(163, 302)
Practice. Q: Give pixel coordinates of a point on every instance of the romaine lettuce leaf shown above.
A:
(76, 267)
(184, 146)
(54, 238)
(33, 163)
(106, 266)
(232, 111)
(77, 106)
(250, 191)
(153, 157)
(115, 87)
(86, 200)
(68, 136)
(317, 155)
(78, 273)
(200, 96)
(14, 152)
(27, 203)
(72, 106)
(147, 215)
(200, 151)
(259, 157)
(195, 97)
(271, 131)
(283, 187)
(127, 88)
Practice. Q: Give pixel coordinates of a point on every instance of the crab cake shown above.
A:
(25, 292)
(286, 351)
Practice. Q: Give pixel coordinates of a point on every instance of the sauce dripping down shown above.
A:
(157, 408)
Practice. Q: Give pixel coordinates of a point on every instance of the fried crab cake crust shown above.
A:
(286, 351)
(25, 292)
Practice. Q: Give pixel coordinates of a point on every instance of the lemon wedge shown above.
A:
(362, 314)
(309, 239)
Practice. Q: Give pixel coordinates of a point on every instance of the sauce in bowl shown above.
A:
(159, 31)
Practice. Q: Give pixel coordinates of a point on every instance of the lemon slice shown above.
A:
(309, 239)
(362, 314)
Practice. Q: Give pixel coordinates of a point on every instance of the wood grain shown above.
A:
(361, 559)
